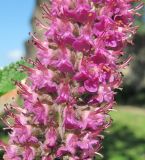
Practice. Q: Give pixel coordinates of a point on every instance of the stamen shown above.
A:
(38, 43)
(46, 11)
(24, 90)
(99, 154)
(39, 23)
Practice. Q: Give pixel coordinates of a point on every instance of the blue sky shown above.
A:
(15, 25)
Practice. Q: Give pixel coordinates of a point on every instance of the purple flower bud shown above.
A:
(70, 119)
(50, 138)
(70, 147)
(11, 153)
(82, 45)
(63, 93)
(29, 153)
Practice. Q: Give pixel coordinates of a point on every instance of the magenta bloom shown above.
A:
(70, 90)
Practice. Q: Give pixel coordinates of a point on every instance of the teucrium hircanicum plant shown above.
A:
(70, 90)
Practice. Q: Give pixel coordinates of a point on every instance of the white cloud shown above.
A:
(15, 55)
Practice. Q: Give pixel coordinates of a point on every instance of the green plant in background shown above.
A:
(8, 74)
(140, 21)
(126, 136)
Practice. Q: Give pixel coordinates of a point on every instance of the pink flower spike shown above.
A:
(70, 90)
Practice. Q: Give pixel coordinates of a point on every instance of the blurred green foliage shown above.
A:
(140, 20)
(126, 137)
(8, 74)
(3, 137)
